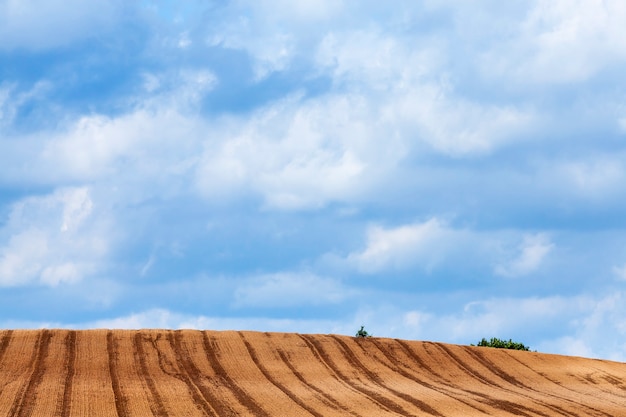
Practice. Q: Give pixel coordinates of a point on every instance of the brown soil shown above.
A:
(205, 373)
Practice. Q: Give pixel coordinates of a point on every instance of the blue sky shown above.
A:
(433, 170)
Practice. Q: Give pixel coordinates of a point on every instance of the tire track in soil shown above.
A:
(211, 349)
(611, 380)
(381, 401)
(595, 410)
(272, 380)
(439, 389)
(575, 404)
(203, 398)
(478, 396)
(25, 401)
(322, 395)
(505, 405)
(331, 371)
(120, 398)
(479, 356)
(6, 339)
(19, 397)
(496, 403)
(374, 377)
(70, 364)
(156, 406)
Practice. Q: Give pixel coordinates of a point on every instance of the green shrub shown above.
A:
(362, 332)
(502, 344)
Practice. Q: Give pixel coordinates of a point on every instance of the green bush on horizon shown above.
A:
(362, 333)
(502, 344)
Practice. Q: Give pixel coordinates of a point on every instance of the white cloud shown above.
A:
(409, 89)
(376, 60)
(562, 41)
(167, 319)
(303, 154)
(156, 146)
(456, 126)
(531, 254)
(52, 240)
(433, 244)
(295, 154)
(289, 290)
(403, 247)
(274, 33)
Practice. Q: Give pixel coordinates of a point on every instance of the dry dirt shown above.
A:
(101, 373)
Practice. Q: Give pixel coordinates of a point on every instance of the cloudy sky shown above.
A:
(433, 170)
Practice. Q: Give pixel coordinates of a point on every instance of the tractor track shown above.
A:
(203, 398)
(25, 401)
(275, 382)
(157, 406)
(70, 365)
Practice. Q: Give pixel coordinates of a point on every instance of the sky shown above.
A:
(431, 170)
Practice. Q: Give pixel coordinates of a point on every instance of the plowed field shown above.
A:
(98, 373)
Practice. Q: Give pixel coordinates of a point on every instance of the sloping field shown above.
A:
(101, 373)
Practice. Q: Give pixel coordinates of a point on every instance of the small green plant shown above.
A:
(502, 344)
(362, 332)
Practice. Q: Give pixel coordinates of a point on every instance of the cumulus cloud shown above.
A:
(562, 42)
(273, 34)
(52, 239)
(142, 142)
(399, 248)
(530, 256)
(295, 154)
(413, 98)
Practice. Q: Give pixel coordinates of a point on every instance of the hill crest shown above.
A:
(102, 372)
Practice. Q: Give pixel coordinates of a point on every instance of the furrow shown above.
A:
(211, 350)
(451, 381)
(560, 387)
(19, 397)
(378, 399)
(505, 405)
(620, 392)
(438, 389)
(156, 405)
(202, 397)
(28, 398)
(4, 344)
(276, 383)
(494, 368)
(327, 398)
(120, 398)
(70, 347)
(477, 396)
(372, 376)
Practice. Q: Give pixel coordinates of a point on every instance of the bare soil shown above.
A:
(122, 373)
